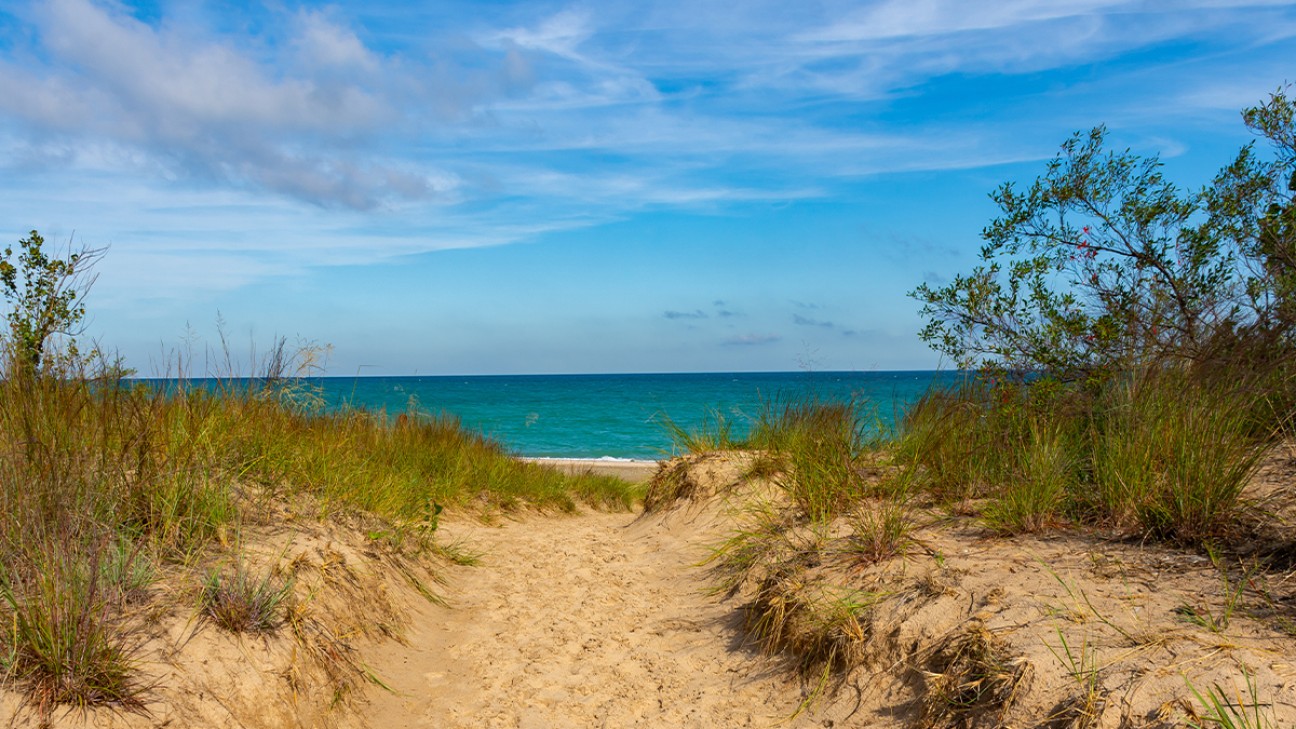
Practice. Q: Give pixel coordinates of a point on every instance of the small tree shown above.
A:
(45, 296)
(1102, 265)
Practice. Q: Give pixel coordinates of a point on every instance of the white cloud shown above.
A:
(922, 18)
(323, 43)
(490, 125)
(560, 34)
(209, 110)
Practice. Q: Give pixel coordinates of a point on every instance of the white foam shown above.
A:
(600, 459)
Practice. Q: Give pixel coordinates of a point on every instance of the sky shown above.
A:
(494, 187)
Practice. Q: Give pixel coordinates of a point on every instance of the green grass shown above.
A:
(1241, 710)
(880, 531)
(813, 450)
(1032, 497)
(1158, 453)
(1161, 455)
(64, 641)
(952, 442)
(104, 485)
(1171, 457)
(242, 602)
(714, 433)
(819, 446)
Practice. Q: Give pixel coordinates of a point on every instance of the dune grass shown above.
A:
(812, 449)
(1159, 454)
(105, 483)
(242, 602)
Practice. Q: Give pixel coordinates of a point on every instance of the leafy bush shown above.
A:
(1102, 265)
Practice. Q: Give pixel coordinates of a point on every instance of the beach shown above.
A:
(632, 470)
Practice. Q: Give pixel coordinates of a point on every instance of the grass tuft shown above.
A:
(241, 602)
(820, 445)
(880, 532)
(65, 641)
(1241, 710)
(1032, 498)
(1171, 457)
(1084, 709)
(713, 433)
(968, 676)
(672, 482)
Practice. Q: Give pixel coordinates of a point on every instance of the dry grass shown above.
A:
(970, 680)
(673, 482)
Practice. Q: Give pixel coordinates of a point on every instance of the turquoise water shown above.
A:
(617, 416)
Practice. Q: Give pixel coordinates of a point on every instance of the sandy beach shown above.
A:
(596, 620)
(611, 619)
(634, 471)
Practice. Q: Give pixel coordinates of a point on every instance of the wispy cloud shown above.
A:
(751, 340)
(804, 321)
(697, 314)
(366, 131)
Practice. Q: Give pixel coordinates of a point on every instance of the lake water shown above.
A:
(619, 416)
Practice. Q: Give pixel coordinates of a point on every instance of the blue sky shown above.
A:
(501, 187)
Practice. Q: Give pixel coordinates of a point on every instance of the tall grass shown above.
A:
(102, 480)
(714, 433)
(812, 449)
(356, 458)
(1157, 453)
(821, 445)
(1172, 456)
(1035, 490)
(949, 442)
(64, 639)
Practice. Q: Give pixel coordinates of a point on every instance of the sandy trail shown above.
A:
(596, 620)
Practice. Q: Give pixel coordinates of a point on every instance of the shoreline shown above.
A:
(630, 469)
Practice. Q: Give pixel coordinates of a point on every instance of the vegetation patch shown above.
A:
(970, 680)
(242, 602)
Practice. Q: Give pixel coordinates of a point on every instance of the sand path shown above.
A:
(595, 620)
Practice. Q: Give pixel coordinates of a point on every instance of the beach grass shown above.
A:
(105, 484)
(1158, 455)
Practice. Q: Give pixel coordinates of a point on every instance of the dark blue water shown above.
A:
(619, 416)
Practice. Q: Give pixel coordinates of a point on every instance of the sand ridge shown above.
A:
(597, 620)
